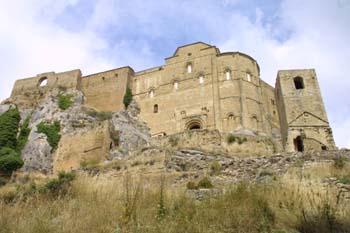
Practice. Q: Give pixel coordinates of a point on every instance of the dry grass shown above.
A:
(296, 202)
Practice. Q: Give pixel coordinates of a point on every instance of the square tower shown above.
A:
(303, 118)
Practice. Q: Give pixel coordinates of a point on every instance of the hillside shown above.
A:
(66, 167)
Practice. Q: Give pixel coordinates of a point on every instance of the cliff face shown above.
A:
(65, 133)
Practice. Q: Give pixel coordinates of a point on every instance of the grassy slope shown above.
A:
(296, 202)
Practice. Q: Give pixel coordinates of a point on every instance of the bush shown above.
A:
(339, 162)
(3, 181)
(242, 140)
(9, 122)
(215, 167)
(205, 183)
(101, 116)
(60, 185)
(52, 132)
(173, 140)
(191, 185)
(9, 161)
(127, 97)
(231, 138)
(23, 134)
(64, 101)
(344, 179)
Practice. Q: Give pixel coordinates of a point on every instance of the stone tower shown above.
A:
(303, 118)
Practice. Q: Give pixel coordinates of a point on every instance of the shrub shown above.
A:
(64, 101)
(9, 122)
(9, 161)
(339, 162)
(52, 132)
(60, 185)
(3, 181)
(344, 179)
(127, 97)
(205, 183)
(231, 138)
(101, 116)
(215, 167)
(241, 140)
(104, 116)
(191, 185)
(23, 134)
(173, 140)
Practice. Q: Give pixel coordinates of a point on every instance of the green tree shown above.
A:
(9, 122)
(127, 97)
(10, 161)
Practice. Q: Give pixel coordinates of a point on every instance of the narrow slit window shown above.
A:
(249, 78)
(151, 93)
(228, 75)
(176, 85)
(189, 68)
(201, 79)
(155, 108)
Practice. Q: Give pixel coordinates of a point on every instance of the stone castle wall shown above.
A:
(105, 91)
(201, 88)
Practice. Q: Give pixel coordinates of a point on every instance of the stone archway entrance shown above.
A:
(194, 125)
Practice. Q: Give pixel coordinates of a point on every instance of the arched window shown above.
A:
(299, 83)
(201, 79)
(43, 82)
(151, 93)
(189, 68)
(176, 85)
(155, 108)
(249, 78)
(228, 74)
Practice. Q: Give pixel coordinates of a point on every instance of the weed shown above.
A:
(64, 101)
(231, 138)
(205, 183)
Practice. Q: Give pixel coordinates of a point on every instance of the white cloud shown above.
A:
(30, 43)
(312, 34)
(320, 33)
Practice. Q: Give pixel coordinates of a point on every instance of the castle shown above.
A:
(201, 88)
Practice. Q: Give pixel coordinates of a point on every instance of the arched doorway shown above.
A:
(298, 144)
(194, 125)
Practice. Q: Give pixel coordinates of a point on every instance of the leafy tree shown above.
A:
(52, 132)
(10, 161)
(9, 122)
(127, 97)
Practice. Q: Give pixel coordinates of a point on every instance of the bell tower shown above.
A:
(303, 118)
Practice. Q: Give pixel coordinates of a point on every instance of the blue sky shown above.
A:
(38, 36)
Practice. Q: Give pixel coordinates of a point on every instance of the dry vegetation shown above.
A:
(296, 202)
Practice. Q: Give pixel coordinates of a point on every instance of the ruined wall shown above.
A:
(26, 93)
(81, 146)
(105, 91)
(302, 112)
